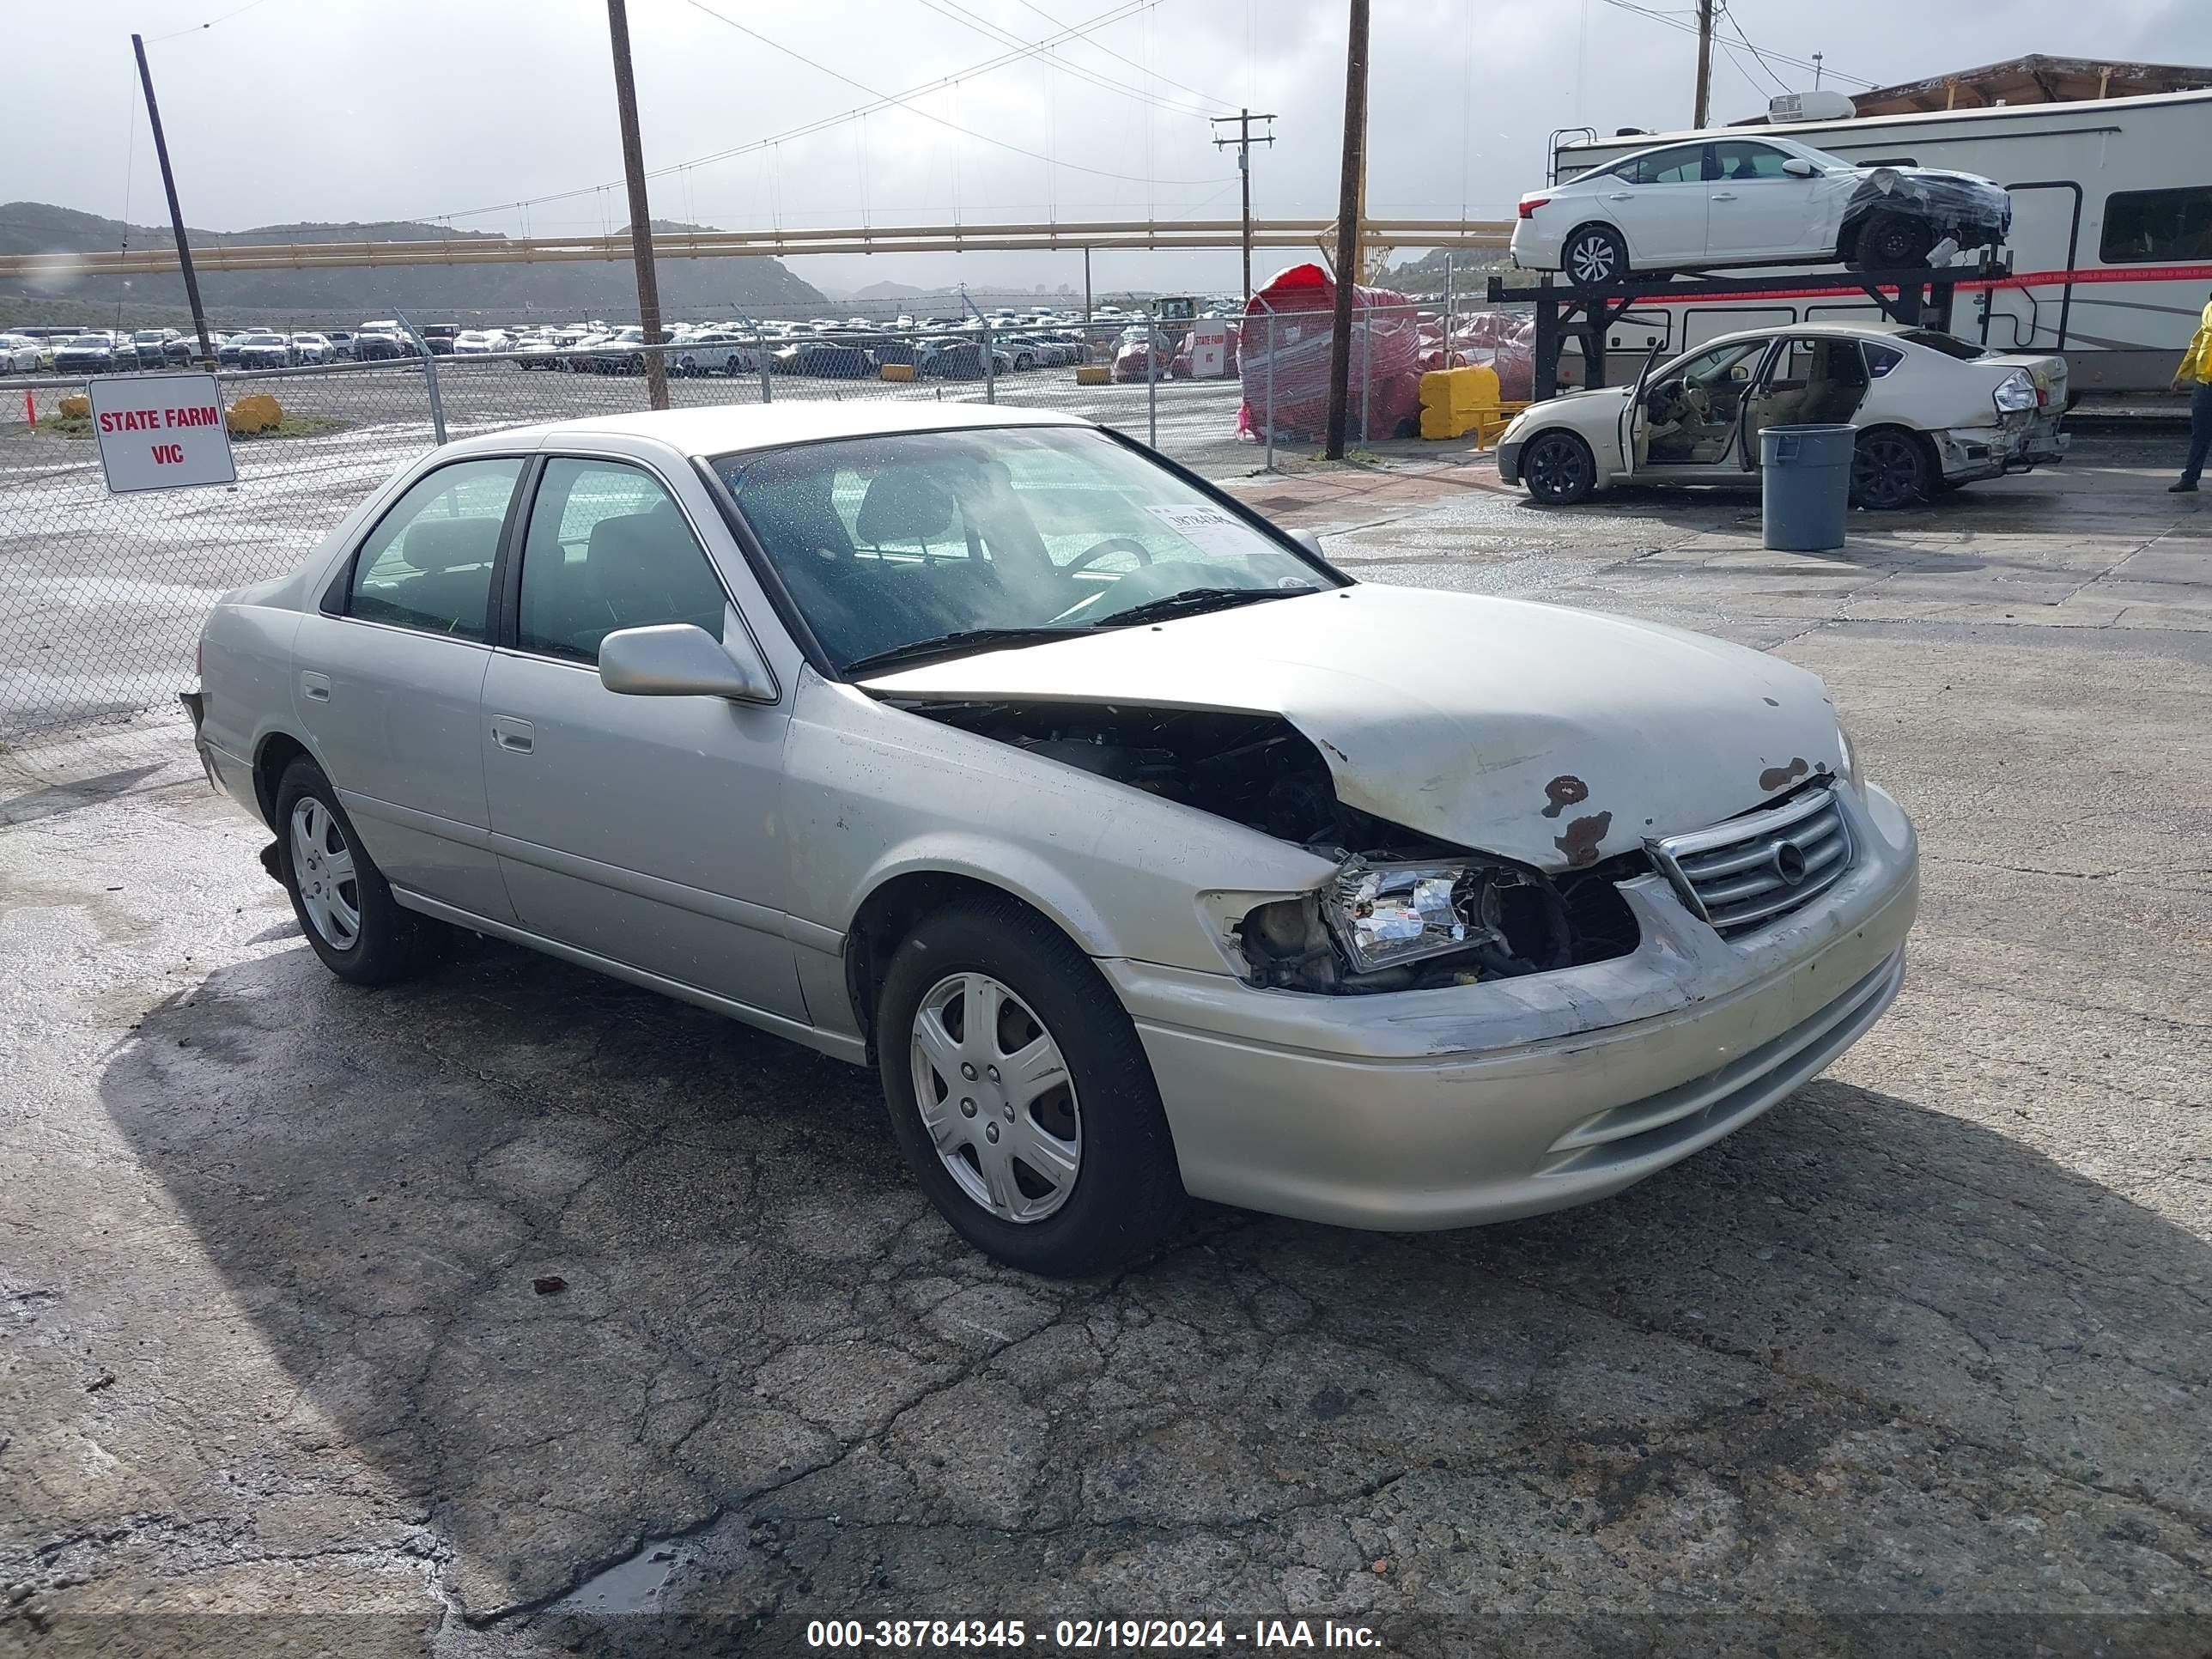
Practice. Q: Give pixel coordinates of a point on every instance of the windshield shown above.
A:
(887, 542)
(91, 340)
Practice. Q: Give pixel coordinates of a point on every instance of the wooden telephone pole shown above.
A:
(1705, 64)
(1243, 141)
(176, 213)
(1350, 195)
(640, 216)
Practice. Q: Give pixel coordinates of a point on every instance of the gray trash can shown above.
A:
(1805, 474)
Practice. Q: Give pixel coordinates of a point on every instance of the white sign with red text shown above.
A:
(161, 431)
(1209, 348)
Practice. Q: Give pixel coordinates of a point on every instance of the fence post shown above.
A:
(1270, 388)
(1152, 381)
(990, 368)
(429, 378)
(760, 356)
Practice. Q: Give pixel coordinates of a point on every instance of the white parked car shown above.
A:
(314, 349)
(1721, 202)
(19, 355)
(1141, 852)
(1932, 412)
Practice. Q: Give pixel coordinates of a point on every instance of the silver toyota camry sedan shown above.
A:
(1143, 852)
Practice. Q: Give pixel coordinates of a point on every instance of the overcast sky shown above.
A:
(288, 110)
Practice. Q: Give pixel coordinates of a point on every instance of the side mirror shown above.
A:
(682, 660)
(1309, 541)
(1798, 167)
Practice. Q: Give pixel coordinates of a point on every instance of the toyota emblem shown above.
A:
(1790, 862)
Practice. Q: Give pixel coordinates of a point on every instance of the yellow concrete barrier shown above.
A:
(897, 371)
(256, 412)
(1094, 374)
(76, 407)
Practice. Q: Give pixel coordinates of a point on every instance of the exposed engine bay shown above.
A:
(1404, 912)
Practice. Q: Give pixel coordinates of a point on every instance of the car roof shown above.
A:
(721, 429)
(1835, 330)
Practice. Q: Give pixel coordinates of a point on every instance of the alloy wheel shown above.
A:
(1886, 471)
(1556, 469)
(1591, 261)
(995, 1096)
(323, 870)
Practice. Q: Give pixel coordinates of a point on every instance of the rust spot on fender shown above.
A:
(1563, 792)
(1781, 777)
(1580, 843)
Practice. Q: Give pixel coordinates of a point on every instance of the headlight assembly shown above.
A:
(1847, 766)
(1383, 915)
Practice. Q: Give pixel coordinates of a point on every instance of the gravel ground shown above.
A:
(1918, 1362)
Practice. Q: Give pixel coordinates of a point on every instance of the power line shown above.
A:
(956, 12)
(1100, 45)
(985, 137)
(1676, 23)
(197, 27)
(1779, 85)
(1126, 9)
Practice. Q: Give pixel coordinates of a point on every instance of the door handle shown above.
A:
(511, 734)
(316, 688)
(1621, 196)
(1723, 196)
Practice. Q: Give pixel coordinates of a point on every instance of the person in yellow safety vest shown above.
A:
(2195, 374)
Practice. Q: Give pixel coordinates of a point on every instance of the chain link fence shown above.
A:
(101, 595)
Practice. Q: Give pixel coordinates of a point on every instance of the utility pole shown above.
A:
(640, 216)
(176, 213)
(1705, 63)
(1349, 203)
(1243, 141)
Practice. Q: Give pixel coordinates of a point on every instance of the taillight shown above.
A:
(1530, 204)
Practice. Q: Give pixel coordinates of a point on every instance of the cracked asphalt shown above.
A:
(1917, 1361)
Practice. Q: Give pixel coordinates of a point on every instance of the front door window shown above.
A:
(1691, 408)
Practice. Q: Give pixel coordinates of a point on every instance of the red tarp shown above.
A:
(1287, 327)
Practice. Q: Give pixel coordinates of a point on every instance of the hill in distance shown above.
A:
(351, 292)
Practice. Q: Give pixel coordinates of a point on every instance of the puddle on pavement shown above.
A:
(629, 1586)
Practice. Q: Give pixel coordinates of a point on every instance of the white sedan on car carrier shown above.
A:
(1932, 411)
(1142, 851)
(1720, 202)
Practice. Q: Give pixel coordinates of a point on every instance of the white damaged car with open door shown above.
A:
(1932, 411)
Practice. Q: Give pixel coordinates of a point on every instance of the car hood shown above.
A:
(1553, 736)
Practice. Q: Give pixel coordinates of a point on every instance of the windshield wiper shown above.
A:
(1192, 601)
(956, 644)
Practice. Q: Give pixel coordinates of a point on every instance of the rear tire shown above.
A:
(1114, 1191)
(1890, 469)
(1559, 469)
(1594, 255)
(344, 905)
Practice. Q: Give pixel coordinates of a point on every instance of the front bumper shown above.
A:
(1509, 463)
(1443, 1108)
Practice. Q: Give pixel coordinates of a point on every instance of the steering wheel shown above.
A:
(1697, 402)
(1083, 559)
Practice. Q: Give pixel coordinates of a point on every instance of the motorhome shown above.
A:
(2111, 249)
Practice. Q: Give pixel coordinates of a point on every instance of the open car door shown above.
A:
(1632, 418)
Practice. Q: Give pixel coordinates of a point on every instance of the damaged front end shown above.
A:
(1402, 911)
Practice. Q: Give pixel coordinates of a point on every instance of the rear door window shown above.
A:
(428, 564)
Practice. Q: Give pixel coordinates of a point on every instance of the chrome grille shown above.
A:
(1756, 869)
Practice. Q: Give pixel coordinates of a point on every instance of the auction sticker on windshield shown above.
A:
(1208, 529)
(161, 431)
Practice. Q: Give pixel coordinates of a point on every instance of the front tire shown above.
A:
(1593, 256)
(1559, 469)
(1892, 468)
(1020, 1095)
(344, 905)
(1892, 241)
